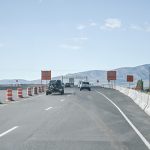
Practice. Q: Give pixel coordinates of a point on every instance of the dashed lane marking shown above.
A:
(8, 131)
(48, 108)
(62, 100)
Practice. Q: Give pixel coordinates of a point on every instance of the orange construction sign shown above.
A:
(129, 78)
(46, 75)
(111, 75)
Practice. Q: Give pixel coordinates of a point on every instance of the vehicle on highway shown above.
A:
(67, 85)
(55, 86)
(63, 84)
(85, 85)
(79, 84)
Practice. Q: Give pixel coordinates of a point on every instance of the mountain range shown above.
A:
(139, 72)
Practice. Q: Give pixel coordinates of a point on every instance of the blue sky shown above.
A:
(69, 36)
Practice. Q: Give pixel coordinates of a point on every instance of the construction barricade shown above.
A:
(42, 88)
(39, 89)
(19, 93)
(29, 91)
(35, 91)
(9, 95)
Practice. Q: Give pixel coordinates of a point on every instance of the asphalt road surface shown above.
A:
(78, 120)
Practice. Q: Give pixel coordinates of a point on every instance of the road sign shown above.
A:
(111, 75)
(46, 75)
(129, 78)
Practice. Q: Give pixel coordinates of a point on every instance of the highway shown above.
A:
(77, 120)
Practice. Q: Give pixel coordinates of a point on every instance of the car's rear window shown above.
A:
(52, 81)
(85, 82)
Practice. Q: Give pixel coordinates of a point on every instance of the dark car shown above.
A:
(67, 85)
(55, 86)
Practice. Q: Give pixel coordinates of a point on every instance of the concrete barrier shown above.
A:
(141, 99)
(144, 100)
(147, 109)
(133, 94)
(124, 90)
(138, 98)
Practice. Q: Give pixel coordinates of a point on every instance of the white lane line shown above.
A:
(62, 100)
(10, 130)
(128, 120)
(48, 108)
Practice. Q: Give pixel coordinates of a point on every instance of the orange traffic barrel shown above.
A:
(9, 95)
(19, 92)
(29, 91)
(40, 90)
(35, 90)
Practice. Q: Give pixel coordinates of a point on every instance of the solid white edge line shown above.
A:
(48, 108)
(128, 120)
(10, 130)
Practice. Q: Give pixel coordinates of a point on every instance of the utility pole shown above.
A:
(62, 79)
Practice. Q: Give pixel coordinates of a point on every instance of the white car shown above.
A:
(85, 85)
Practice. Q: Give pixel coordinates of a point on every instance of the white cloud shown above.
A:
(81, 27)
(111, 23)
(67, 46)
